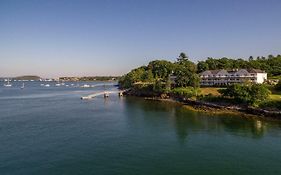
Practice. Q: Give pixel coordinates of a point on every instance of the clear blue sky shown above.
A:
(54, 38)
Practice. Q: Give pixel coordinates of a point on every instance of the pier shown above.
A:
(104, 93)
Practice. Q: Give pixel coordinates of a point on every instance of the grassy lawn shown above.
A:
(275, 97)
(209, 90)
(274, 100)
(275, 77)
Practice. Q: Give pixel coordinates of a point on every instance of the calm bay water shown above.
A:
(51, 131)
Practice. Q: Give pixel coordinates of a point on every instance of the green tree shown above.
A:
(252, 94)
(182, 79)
(183, 59)
(149, 76)
(158, 86)
(136, 75)
(194, 80)
(278, 85)
(202, 66)
(212, 63)
(161, 68)
(168, 85)
(183, 55)
(258, 93)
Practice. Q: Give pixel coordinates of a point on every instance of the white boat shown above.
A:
(106, 95)
(47, 85)
(59, 83)
(85, 98)
(8, 84)
(85, 86)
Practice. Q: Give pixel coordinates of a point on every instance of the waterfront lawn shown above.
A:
(274, 101)
(275, 97)
(211, 94)
(275, 77)
(275, 94)
(209, 91)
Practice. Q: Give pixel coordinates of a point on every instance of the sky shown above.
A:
(53, 38)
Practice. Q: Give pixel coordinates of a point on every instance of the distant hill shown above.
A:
(27, 77)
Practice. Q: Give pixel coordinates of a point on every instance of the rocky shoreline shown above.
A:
(243, 109)
(211, 107)
(214, 108)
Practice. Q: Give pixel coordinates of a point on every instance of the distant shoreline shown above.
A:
(90, 78)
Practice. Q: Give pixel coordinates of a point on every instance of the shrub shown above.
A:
(251, 94)
(186, 92)
(278, 85)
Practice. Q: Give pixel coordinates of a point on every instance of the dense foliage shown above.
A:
(186, 92)
(271, 64)
(252, 94)
(278, 86)
(158, 72)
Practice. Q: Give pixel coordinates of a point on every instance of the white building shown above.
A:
(224, 77)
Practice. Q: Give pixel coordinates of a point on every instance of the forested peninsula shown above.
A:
(180, 81)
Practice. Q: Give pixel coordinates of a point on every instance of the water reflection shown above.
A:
(187, 123)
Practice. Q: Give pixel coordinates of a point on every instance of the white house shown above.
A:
(224, 77)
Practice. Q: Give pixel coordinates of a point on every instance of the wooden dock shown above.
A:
(104, 93)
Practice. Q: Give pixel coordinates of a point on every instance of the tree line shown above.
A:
(270, 64)
(186, 71)
(158, 72)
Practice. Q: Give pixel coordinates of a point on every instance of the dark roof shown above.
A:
(255, 71)
(233, 71)
(214, 71)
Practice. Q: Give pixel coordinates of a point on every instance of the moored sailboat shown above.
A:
(22, 87)
(8, 84)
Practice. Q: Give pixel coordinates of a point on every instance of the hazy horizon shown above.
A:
(102, 38)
